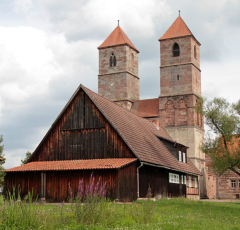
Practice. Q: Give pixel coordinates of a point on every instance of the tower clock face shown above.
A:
(111, 85)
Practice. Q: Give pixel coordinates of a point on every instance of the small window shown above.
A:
(173, 178)
(112, 60)
(195, 52)
(178, 77)
(184, 180)
(176, 50)
(233, 183)
(189, 181)
(195, 182)
(184, 157)
(179, 155)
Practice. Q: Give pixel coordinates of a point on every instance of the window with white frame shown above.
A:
(179, 155)
(195, 182)
(173, 178)
(181, 179)
(184, 157)
(189, 181)
(233, 183)
(184, 180)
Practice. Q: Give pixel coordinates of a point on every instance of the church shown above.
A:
(130, 143)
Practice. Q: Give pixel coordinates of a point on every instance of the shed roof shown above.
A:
(114, 163)
(117, 37)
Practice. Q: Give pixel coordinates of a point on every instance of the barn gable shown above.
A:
(81, 132)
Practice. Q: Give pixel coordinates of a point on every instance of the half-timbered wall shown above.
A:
(82, 132)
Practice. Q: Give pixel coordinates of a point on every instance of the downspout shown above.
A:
(138, 179)
(199, 178)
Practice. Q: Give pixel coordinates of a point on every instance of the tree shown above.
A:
(25, 160)
(222, 143)
(2, 161)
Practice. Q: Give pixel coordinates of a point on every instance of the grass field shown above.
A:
(161, 214)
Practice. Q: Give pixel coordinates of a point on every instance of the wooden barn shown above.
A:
(95, 135)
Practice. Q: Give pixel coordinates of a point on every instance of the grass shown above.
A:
(162, 214)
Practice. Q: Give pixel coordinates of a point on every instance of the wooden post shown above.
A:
(43, 185)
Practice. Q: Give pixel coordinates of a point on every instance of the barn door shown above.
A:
(43, 184)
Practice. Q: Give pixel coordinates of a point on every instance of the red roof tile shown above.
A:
(74, 165)
(146, 108)
(117, 37)
(140, 135)
(177, 29)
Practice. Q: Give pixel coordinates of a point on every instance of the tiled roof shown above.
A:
(140, 135)
(117, 37)
(146, 108)
(74, 165)
(177, 29)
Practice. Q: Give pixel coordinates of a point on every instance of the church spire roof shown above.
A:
(117, 37)
(177, 29)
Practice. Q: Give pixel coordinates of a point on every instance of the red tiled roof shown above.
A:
(117, 37)
(177, 29)
(146, 108)
(140, 135)
(74, 165)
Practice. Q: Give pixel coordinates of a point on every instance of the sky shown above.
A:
(49, 47)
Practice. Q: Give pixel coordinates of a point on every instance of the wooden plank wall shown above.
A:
(158, 179)
(23, 182)
(127, 183)
(81, 133)
(57, 183)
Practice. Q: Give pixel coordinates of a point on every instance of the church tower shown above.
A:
(118, 78)
(180, 84)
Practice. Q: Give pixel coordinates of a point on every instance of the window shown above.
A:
(189, 181)
(176, 50)
(173, 178)
(179, 156)
(184, 157)
(112, 60)
(178, 77)
(233, 183)
(195, 52)
(181, 179)
(195, 182)
(184, 180)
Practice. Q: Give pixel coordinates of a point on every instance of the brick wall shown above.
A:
(220, 186)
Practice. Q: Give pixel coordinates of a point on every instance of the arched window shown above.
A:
(195, 52)
(176, 50)
(112, 60)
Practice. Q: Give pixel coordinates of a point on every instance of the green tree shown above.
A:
(2, 161)
(25, 160)
(222, 142)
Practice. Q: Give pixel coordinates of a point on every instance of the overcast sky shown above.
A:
(49, 47)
